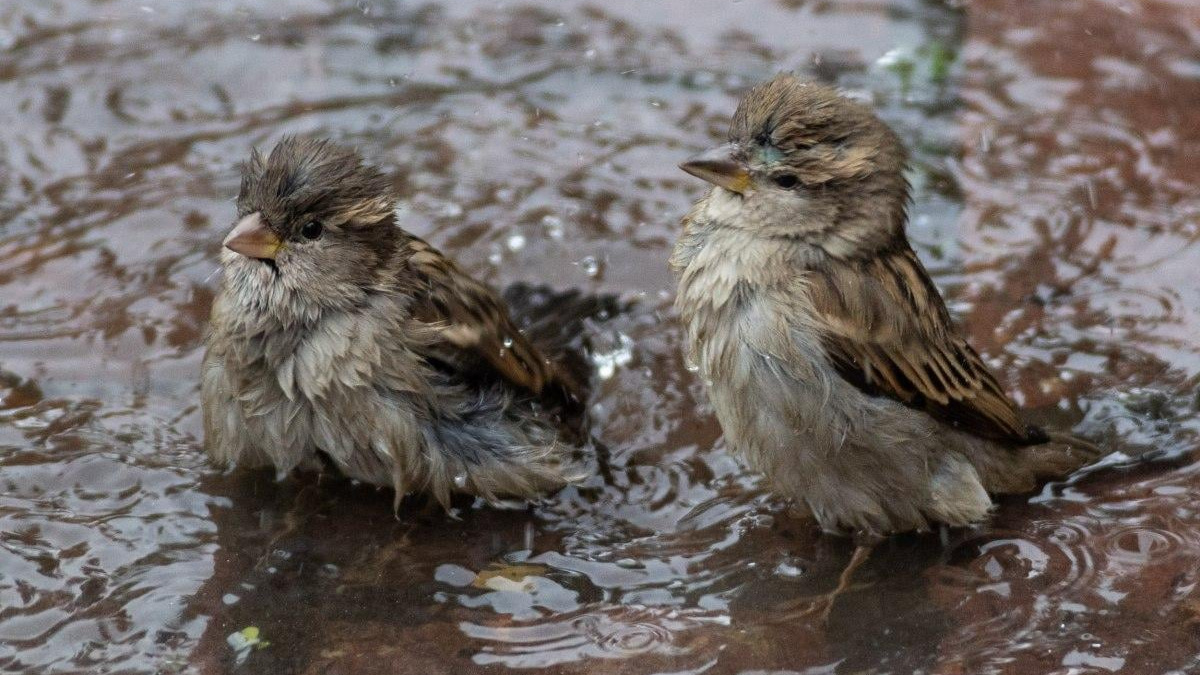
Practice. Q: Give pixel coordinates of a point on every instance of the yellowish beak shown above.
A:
(252, 238)
(723, 165)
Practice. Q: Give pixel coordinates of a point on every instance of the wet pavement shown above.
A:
(1057, 203)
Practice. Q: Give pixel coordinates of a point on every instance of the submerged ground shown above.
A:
(1057, 202)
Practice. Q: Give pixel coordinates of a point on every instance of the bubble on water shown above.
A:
(516, 242)
(629, 563)
(330, 570)
(590, 54)
(496, 256)
(590, 265)
(460, 480)
(508, 342)
(230, 599)
(553, 226)
(620, 354)
(451, 210)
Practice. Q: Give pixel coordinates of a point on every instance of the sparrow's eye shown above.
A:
(786, 181)
(312, 229)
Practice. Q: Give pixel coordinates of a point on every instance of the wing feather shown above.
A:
(888, 332)
(476, 331)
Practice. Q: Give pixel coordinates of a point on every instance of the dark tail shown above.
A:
(559, 324)
(489, 446)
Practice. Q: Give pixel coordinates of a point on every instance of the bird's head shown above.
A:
(802, 159)
(315, 228)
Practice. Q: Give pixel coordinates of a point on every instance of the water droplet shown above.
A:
(508, 342)
(553, 226)
(590, 265)
(516, 242)
(460, 480)
(608, 360)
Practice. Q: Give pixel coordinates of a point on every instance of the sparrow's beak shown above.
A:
(724, 165)
(252, 238)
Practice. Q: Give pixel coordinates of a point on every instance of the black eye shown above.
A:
(312, 229)
(786, 181)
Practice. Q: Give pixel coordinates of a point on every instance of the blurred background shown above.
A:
(1056, 201)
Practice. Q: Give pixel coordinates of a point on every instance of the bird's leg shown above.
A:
(823, 605)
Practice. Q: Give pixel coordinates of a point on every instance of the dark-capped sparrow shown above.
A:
(830, 358)
(336, 333)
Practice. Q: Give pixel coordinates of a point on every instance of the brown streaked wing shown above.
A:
(888, 332)
(476, 327)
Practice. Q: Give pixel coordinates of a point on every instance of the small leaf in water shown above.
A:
(940, 59)
(508, 577)
(244, 641)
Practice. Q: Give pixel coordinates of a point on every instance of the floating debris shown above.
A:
(245, 641)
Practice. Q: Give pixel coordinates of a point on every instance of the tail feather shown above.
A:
(555, 321)
(493, 447)
(558, 323)
(1006, 470)
(1063, 455)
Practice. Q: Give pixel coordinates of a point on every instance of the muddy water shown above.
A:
(1056, 202)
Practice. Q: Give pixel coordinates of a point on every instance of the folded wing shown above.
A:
(888, 332)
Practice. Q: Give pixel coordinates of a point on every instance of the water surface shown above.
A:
(1056, 201)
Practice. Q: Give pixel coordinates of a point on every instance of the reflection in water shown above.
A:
(1056, 203)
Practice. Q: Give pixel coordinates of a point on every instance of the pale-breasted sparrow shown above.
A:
(829, 355)
(337, 333)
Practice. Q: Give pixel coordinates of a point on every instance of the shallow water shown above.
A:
(1057, 203)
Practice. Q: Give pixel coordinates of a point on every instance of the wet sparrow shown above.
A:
(830, 358)
(335, 333)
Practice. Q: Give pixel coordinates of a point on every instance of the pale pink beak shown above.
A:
(252, 238)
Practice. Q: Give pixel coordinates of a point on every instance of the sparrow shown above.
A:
(829, 357)
(338, 338)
